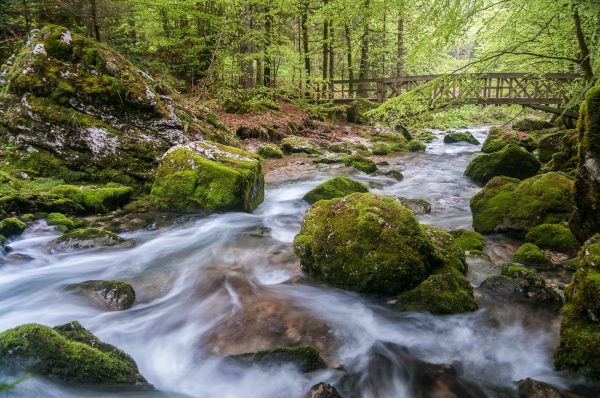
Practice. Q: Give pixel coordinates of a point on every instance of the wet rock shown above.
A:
(329, 158)
(393, 173)
(270, 151)
(64, 223)
(322, 390)
(334, 188)
(360, 163)
(86, 238)
(305, 358)
(10, 227)
(67, 352)
(530, 388)
(529, 124)
(208, 176)
(467, 240)
(579, 348)
(500, 137)
(586, 219)
(512, 161)
(299, 145)
(417, 206)
(530, 254)
(509, 205)
(552, 236)
(112, 294)
(452, 137)
(364, 242)
(426, 136)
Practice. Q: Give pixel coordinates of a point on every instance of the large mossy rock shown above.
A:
(468, 240)
(12, 226)
(500, 137)
(210, 177)
(509, 205)
(579, 349)
(512, 161)
(549, 144)
(530, 124)
(530, 254)
(95, 199)
(87, 109)
(336, 187)
(67, 352)
(566, 155)
(113, 295)
(552, 236)
(452, 137)
(586, 219)
(360, 163)
(365, 242)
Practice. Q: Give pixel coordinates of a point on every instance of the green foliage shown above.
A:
(6, 386)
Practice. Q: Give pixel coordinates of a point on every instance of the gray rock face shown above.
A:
(417, 206)
(113, 295)
(322, 390)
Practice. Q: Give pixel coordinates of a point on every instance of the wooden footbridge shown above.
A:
(543, 92)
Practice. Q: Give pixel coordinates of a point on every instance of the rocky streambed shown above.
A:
(211, 287)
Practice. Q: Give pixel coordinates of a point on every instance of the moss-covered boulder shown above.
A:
(468, 240)
(512, 161)
(447, 253)
(360, 163)
(549, 144)
(586, 219)
(113, 295)
(67, 352)
(306, 358)
(579, 348)
(566, 158)
(87, 108)
(335, 188)
(270, 151)
(417, 206)
(416, 146)
(95, 199)
(210, 177)
(86, 238)
(453, 137)
(365, 242)
(509, 205)
(530, 124)
(530, 254)
(552, 236)
(500, 137)
(64, 223)
(12, 226)
(293, 144)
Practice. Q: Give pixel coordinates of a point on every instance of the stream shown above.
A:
(222, 284)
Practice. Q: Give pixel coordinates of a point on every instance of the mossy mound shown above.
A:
(530, 254)
(87, 108)
(270, 151)
(522, 284)
(306, 358)
(335, 188)
(579, 348)
(448, 254)
(67, 352)
(364, 242)
(529, 124)
(468, 240)
(360, 163)
(416, 146)
(381, 149)
(566, 157)
(10, 227)
(85, 238)
(210, 177)
(299, 145)
(549, 144)
(500, 137)
(552, 236)
(23, 203)
(64, 223)
(452, 137)
(93, 199)
(512, 161)
(112, 294)
(509, 205)
(586, 219)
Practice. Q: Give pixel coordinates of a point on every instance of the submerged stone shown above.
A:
(112, 294)
(334, 188)
(512, 161)
(210, 177)
(306, 358)
(67, 352)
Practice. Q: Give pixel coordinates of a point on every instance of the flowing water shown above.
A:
(226, 284)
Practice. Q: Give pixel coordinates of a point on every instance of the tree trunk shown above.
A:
(268, 40)
(325, 50)
(246, 62)
(584, 58)
(363, 71)
(304, 25)
(349, 61)
(400, 65)
(95, 26)
(26, 15)
(331, 57)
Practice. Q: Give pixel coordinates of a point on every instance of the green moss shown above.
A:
(305, 357)
(113, 294)
(552, 236)
(530, 254)
(456, 136)
(381, 149)
(270, 151)
(85, 238)
(366, 243)
(69, 353)
(449, 255)
(499, 137)
(360, 163)
(468, 240)
(97, 200)
(516, 271)
(509, 205)
(64, 223)
(225, 179)
(10, 227)
(2, 240)
(334, 188)
(426, 136)
(512, 161)
(416, 146)
(529, 124)
(442, 293)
